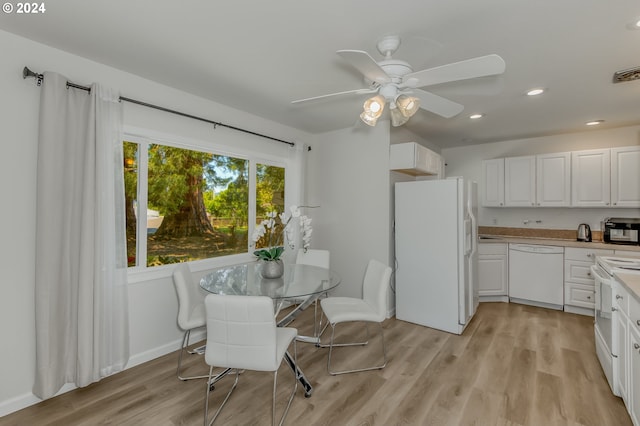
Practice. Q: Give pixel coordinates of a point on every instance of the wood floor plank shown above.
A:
(514, 365)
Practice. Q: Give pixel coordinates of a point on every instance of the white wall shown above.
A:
(153, 303)
(348, 174)
(403, 134)
(466, 161)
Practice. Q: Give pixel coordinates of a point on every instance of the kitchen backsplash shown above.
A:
(560, 234)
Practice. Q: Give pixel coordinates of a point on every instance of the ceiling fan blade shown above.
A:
(347, 92)
(471, 68)
(437, 104)
(364, 63)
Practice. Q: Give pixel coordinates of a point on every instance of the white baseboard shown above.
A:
(494, 299)
(579, 310)
(23, 401)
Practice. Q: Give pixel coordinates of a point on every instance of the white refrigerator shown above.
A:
(436, 244)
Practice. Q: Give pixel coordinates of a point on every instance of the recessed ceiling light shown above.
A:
(635, 25)
(535, 92)
(476, 116)
(594, 122)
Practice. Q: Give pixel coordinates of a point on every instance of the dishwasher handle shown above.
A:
(531, 248)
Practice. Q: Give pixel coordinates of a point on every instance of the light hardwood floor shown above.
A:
(514, 365)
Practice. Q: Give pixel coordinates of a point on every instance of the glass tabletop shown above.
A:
(245, 279)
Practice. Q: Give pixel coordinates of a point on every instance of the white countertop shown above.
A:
(558, 242)
(631, 280)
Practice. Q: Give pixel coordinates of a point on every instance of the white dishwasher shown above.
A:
(536, 275)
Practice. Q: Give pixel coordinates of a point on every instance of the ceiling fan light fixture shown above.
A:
(373, 108)
(368, 119)
(408, 105)
(397, 117)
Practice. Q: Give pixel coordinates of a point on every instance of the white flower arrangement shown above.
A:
(269, 235)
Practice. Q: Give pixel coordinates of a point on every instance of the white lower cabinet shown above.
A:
(493, 270)
(626, 346)
(579, 290)
(622, 345)
(634, 376)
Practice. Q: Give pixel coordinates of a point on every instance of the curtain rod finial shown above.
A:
(26, 72)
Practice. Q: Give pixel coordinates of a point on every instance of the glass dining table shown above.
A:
(302, 284)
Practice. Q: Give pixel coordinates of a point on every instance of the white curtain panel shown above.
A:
(82, 330)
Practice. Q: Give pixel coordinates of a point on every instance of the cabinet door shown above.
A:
(590, 178)
(553, 180)
(634, 377)
(493, 182)
(622, 345)
(492, 275)
(520, 181)
(625, 176)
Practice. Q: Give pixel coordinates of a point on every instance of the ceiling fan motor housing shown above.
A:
(396, 69)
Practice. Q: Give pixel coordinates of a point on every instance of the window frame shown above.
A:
(145, 137)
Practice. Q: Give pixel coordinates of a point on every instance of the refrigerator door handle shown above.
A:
(474, 233)
(468, 237)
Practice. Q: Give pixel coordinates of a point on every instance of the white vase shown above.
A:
(272, 268)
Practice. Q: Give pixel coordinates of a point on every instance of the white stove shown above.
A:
(610, 263)
(603, 272)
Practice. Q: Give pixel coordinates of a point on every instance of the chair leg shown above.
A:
(317, 325)
(332, 345)
(293, 392)
(206, 401)
(183, 348)
(319, 343)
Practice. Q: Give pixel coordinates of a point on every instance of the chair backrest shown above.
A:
(190, 300)
(313, 257)
(241, 332)
(374, 287)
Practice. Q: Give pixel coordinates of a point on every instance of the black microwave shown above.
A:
(619, 230)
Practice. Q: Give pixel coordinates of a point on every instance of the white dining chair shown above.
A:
(191, 312)
(315, 257)
(242, 335)
(371, 308)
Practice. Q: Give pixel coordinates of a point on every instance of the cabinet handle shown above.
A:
(636, 346)
(588, 274)
(613, 309)
(615, 204)
(589, 297)
(618, 297)
(589, 254)
(638, 322)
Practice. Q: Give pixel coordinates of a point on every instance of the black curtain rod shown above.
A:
(26, 72)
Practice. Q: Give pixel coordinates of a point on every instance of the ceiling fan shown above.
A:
(395, 82)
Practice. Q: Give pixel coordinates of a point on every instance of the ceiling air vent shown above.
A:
(626, 75)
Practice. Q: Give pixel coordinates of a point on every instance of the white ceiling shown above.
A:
(258, 56)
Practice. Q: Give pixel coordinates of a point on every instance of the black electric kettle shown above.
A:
(584, 232)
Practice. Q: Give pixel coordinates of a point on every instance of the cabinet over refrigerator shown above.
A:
(436, 253)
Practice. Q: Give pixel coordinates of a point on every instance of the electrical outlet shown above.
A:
(495, 221)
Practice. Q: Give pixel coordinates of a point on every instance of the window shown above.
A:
(187, 204)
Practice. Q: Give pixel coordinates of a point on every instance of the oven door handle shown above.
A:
(595, 270)
(600, 281)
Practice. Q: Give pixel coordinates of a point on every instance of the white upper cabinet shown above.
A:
(608, 177)
(553, 180)
(625, 176)
(493, 182)
(520, 181)
(590, 178)
(414, 159)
